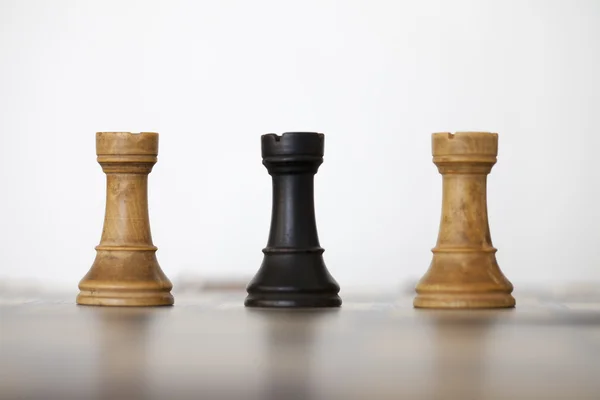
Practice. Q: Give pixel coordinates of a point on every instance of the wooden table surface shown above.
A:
(208, 346)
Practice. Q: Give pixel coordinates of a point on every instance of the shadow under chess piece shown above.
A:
(464, 272)
(293, 273)
(460, 360)
(123, 353)
(290, 342)
(126, 271)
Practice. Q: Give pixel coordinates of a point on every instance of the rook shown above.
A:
(126, 271)
(293, 273)
(464, 272)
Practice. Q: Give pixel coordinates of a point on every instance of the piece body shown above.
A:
(464, 272)
(293, 272)
(126, 271)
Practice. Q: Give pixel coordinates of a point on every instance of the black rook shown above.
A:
(293, 273)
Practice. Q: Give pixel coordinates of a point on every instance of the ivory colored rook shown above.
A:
(126, 271)
(464, 272)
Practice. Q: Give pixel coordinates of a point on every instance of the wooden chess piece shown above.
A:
(126, 271)
(464, 272)
(293, 273)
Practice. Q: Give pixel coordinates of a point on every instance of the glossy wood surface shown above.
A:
(209, 346)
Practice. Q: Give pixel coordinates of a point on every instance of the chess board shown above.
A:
(375, 346)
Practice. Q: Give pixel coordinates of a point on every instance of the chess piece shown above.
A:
(464, 272)
(126, 271)
(293, 273)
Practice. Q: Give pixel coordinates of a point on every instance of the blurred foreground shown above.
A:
(375, 347)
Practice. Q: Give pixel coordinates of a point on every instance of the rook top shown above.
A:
(126, 143)
(480, 146)
(293, 144)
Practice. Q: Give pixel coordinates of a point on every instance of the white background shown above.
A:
(377, 77)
